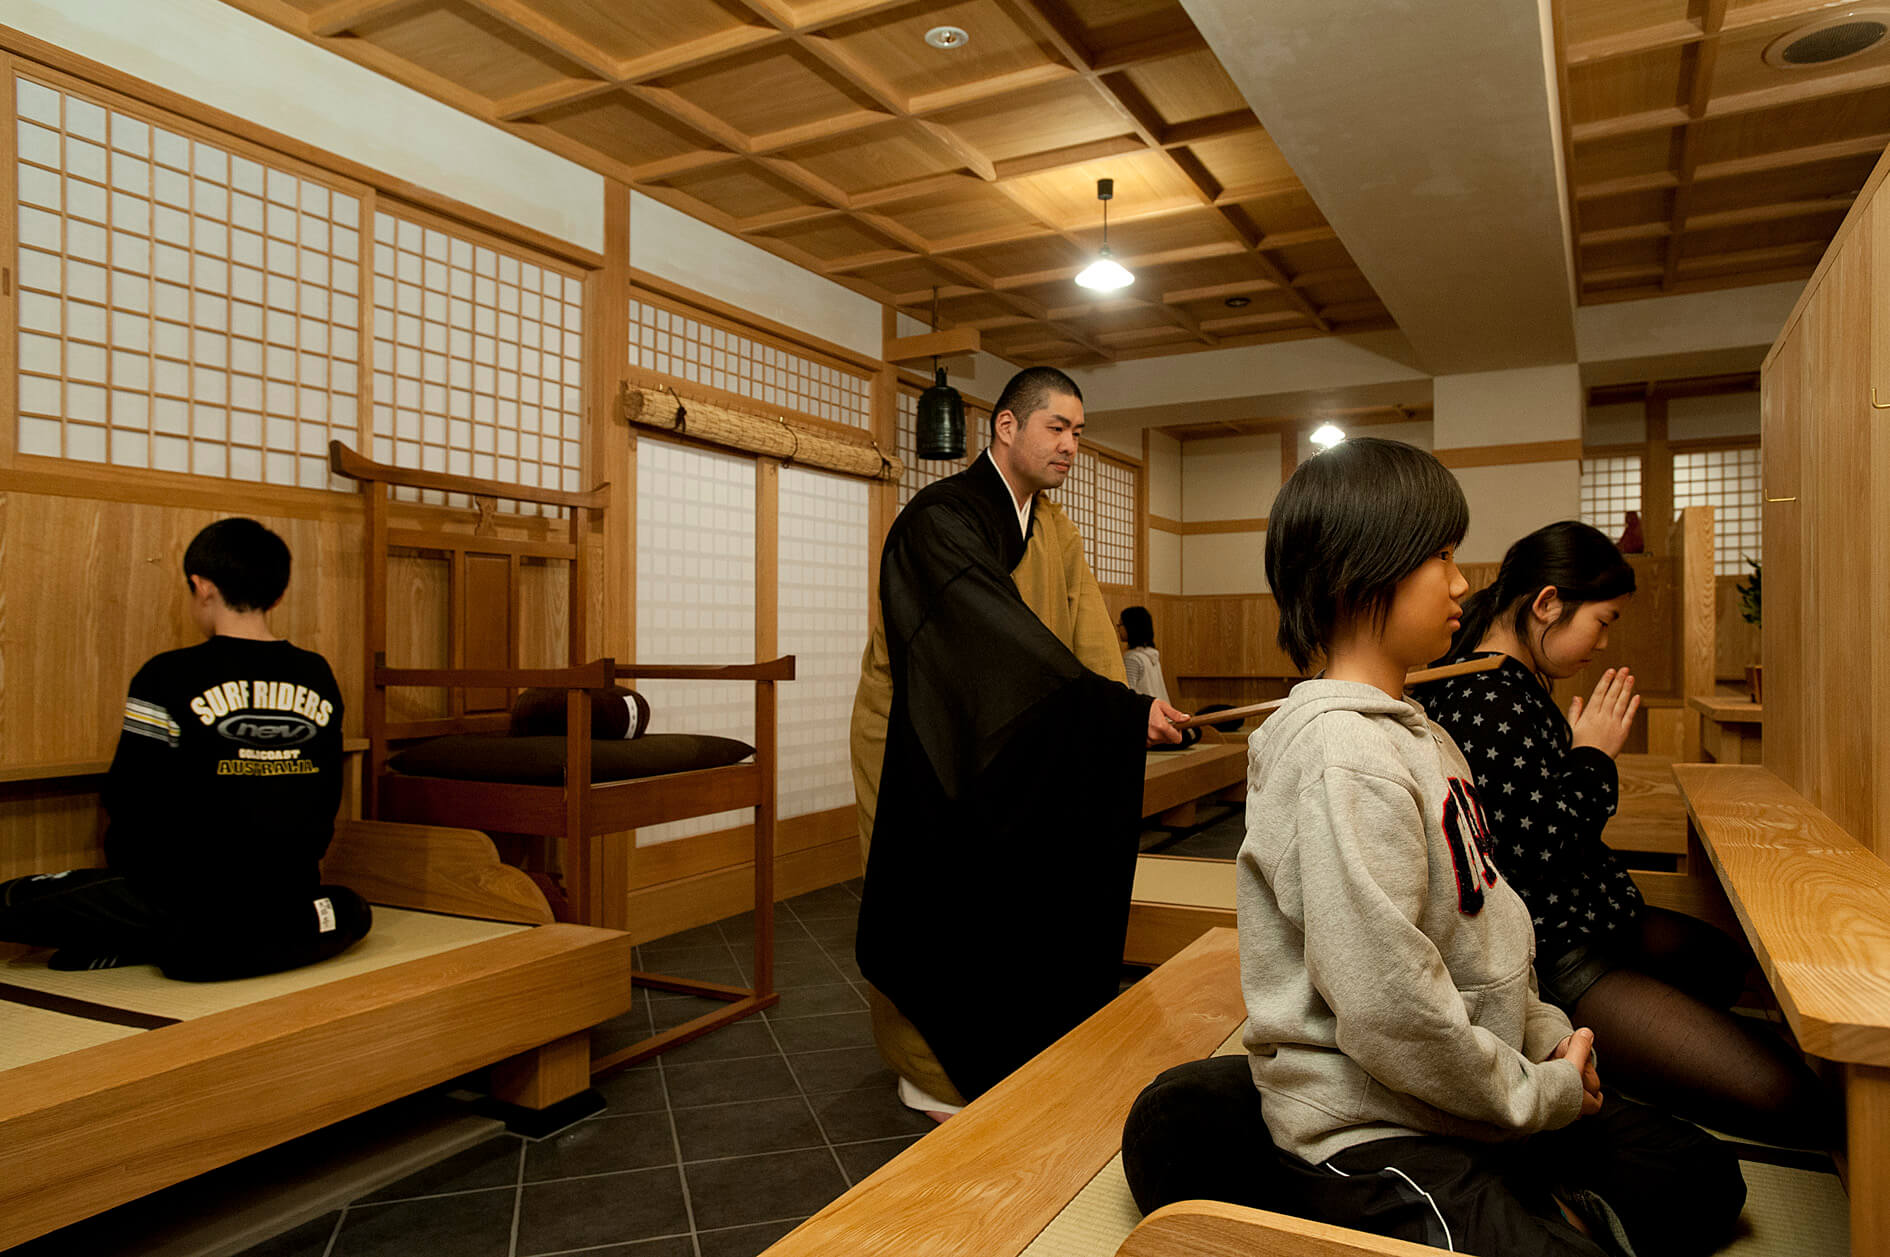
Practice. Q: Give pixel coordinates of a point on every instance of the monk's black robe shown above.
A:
(1003, 852)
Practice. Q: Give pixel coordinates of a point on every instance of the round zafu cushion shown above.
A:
(540, 712)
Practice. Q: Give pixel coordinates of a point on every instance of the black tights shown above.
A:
(1663, 1034)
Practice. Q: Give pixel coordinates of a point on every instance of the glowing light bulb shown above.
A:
(1105, 274)
(1327, 436)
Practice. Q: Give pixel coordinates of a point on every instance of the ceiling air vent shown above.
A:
(1829, 39)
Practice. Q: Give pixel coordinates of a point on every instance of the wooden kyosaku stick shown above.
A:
(1413, 678)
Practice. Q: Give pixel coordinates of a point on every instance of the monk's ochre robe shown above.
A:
(997, 763)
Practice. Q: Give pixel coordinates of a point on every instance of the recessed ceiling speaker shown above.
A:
(1830, 38)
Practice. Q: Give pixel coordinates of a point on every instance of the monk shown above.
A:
(997, 763)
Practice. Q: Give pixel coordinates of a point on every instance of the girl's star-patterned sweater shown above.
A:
(1547, 803)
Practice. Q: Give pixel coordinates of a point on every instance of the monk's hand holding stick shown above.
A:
(1164, 723)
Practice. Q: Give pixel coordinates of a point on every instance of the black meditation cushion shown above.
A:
(539, 760)
(541, 711)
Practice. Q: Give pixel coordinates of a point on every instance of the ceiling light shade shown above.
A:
(947, 37)
(1327, 436)
(941, 420)
(1105, 274)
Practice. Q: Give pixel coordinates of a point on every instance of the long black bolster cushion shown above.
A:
(539, 761)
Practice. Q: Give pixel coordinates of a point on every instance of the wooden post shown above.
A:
(1693, 548)
(1867, 1106)
(545, 1075)
(767, 646)
(374, 642)
(1656, 479)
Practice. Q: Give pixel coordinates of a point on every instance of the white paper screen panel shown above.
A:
(1611, 487)
(696, 597)
(1099, 498)
(183, 306)
(478, 360)
(673, 343)
(822, 622)
(1728, 481)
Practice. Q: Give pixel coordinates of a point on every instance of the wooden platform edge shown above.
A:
(1209, 1228)
(989, 1180)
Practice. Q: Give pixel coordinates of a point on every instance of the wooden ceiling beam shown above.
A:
(1626, 43)
(1236, 323)
(1771, 213)
(1825, 88)
(343, 16)
(684, 56)
(1070, 155)
(1784, 159)
(975, 278)
(1702, 61)
(697, 119)
(1624, 235)
(1770, 256)
(1220, 292)
(666, 168)
(979, 90)
(929, 186)
(819, 129)
(560, 39)
(1173, 43)
(1193, 253)
(1213, 127)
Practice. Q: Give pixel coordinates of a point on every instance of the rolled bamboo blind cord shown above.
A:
(1413, 678)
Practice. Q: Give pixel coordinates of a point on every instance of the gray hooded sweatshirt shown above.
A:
(1388, 967)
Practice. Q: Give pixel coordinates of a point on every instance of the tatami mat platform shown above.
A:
(93, 999)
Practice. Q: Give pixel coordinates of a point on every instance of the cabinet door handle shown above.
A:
(1874, 403)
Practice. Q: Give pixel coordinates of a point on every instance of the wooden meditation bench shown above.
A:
(1814, 904)
(1175, 782)
(115, 1083)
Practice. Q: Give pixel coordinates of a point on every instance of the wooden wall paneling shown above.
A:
(666, 908)
(1782, 397)
(418, 634)
(611, 451)
(1874, 454)
(1656, 477)
(1735, 642)
(9, 254)
(1837, 542)
(46, 826)
(1692, 544)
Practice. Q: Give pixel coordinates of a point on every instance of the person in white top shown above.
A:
(1141, 660)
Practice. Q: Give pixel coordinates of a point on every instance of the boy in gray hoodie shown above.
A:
(1406, 1068)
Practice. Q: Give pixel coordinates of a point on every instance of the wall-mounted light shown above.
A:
(1105, 274)
(1327, 436)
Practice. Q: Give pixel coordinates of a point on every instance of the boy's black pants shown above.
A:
(99, 913)
(1196, 1132)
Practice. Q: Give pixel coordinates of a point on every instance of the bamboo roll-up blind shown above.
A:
(755, 433)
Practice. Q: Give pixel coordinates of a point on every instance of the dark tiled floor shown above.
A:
(716, 1149)
(1217, 837)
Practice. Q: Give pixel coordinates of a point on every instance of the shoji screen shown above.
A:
(695, 581)
(185, 305)
(1728, 481)
(478, 358)
(691, 347)
(696, 597)
(823, 623)
(1099, 498)
(1611, 487)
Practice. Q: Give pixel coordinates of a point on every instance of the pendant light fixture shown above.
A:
(1105, 274)
(941, 418)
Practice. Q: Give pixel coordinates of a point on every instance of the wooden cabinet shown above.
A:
(1826, 468)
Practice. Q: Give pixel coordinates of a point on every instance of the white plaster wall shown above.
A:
(1232, 477)
(1690, 323)
(1250, 370)
(1164, 562)
(1164, 475)
(1624, 423)
(1224, 563)
(1505, 407)
(1702, 418)
(1507, 502)
(1415, 432)
(667, 242)
(987, 374)
(216, 54)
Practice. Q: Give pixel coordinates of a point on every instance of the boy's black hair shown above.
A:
(1029, 391)
(1347, 526)
(1138, 626)
(247, 563)
(1576, 558)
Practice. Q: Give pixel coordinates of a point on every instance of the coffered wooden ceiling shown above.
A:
(1695, 165)
(830, 133)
